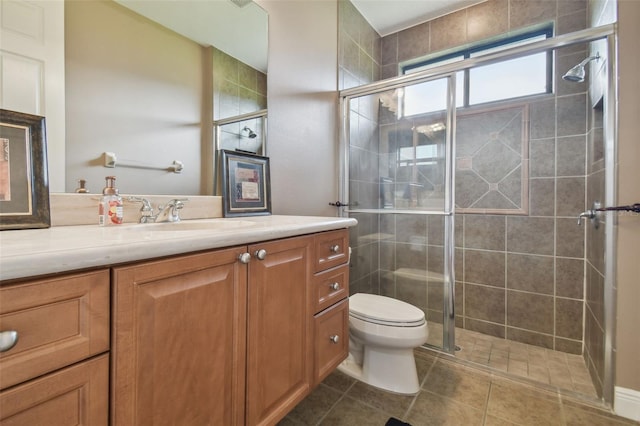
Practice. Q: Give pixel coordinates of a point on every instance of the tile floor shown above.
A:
(453, 392)
(558, 369)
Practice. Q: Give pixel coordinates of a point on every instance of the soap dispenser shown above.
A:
(110, 209)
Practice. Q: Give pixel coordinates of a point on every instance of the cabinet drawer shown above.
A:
(59, 321)
(77, 395)
(331, 336)
(331, 249)
(329, 287)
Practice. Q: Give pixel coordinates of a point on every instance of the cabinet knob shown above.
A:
(8, 340)
(335, 286)
(335, 338)
(244, 258)
(334, 249)
(261, 254)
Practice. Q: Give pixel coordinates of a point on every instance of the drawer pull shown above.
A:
(8, 340)
(335, 338)
(334, 249)
(335, 286)
(261, 254)
(244, 258)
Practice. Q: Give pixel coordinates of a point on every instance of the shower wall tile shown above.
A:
(595, 295)
(388, 256)
(389, 46)
(542, 158)
(530, 311)
(449, 31)
(483, 327)
(413, 42)
(527, 12)
(459, 230)
(412, 256)
(542, 197)
(484, 303)
(530, 338)
(534, 235)
(435, 259)
(571, 156)
(572, 118)
(569, 239)
(484, 267)
(459, 264)
(487, 19)
(521, 276)
(387, 284)
(571, 22)
(569, 314)
(412, 291)
(435, 295)
(566, 7)
(570, 196)
(568, 346)
(485, 232)
(411, 229)
(435, 230)
(542, 116)
(459, 301)
(570, 278)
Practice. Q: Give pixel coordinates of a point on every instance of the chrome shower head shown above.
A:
(251, 134)
(576, 74)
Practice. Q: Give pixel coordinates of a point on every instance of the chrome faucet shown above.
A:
(171, 210)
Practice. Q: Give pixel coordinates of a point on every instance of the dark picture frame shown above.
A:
(24, 182)
(246, 184)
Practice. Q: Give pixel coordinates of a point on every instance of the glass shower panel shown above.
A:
(399, 170)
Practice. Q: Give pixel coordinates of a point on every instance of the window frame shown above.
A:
(467, 52)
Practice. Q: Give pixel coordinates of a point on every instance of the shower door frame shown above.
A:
(448, 313)
(607, 32)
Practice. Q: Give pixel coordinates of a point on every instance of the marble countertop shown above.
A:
(32, 252)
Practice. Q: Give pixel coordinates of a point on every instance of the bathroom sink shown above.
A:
(193, 225)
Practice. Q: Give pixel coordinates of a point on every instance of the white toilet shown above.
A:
(383, 332)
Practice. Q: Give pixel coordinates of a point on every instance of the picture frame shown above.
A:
(246, 184)
(24, 181)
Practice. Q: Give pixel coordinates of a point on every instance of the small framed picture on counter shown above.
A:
(24, 183)
(245, 184)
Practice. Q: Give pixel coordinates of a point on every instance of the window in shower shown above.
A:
(509, 79)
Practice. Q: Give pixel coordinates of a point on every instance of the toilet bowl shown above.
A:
(383, 332)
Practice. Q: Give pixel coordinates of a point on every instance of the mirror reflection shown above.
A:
(148, 88)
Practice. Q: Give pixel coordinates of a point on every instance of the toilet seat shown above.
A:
(384, 310)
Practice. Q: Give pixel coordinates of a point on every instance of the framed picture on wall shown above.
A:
(246, 185)
(24, 187)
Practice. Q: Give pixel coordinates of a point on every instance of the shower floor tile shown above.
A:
(546, 366)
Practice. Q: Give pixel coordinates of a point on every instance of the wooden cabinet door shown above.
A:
(179, 341)
(279, 364)
(76, 395)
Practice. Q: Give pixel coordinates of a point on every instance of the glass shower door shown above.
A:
(398, 162)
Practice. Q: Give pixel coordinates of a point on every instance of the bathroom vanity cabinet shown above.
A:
(233, 336)
(58, 367)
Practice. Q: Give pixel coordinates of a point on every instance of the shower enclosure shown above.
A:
(469, 212)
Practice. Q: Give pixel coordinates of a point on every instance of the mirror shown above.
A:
(146, 79)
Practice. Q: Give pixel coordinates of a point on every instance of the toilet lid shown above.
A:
(384, 310)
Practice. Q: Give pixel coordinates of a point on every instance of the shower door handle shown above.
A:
(339, 204)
